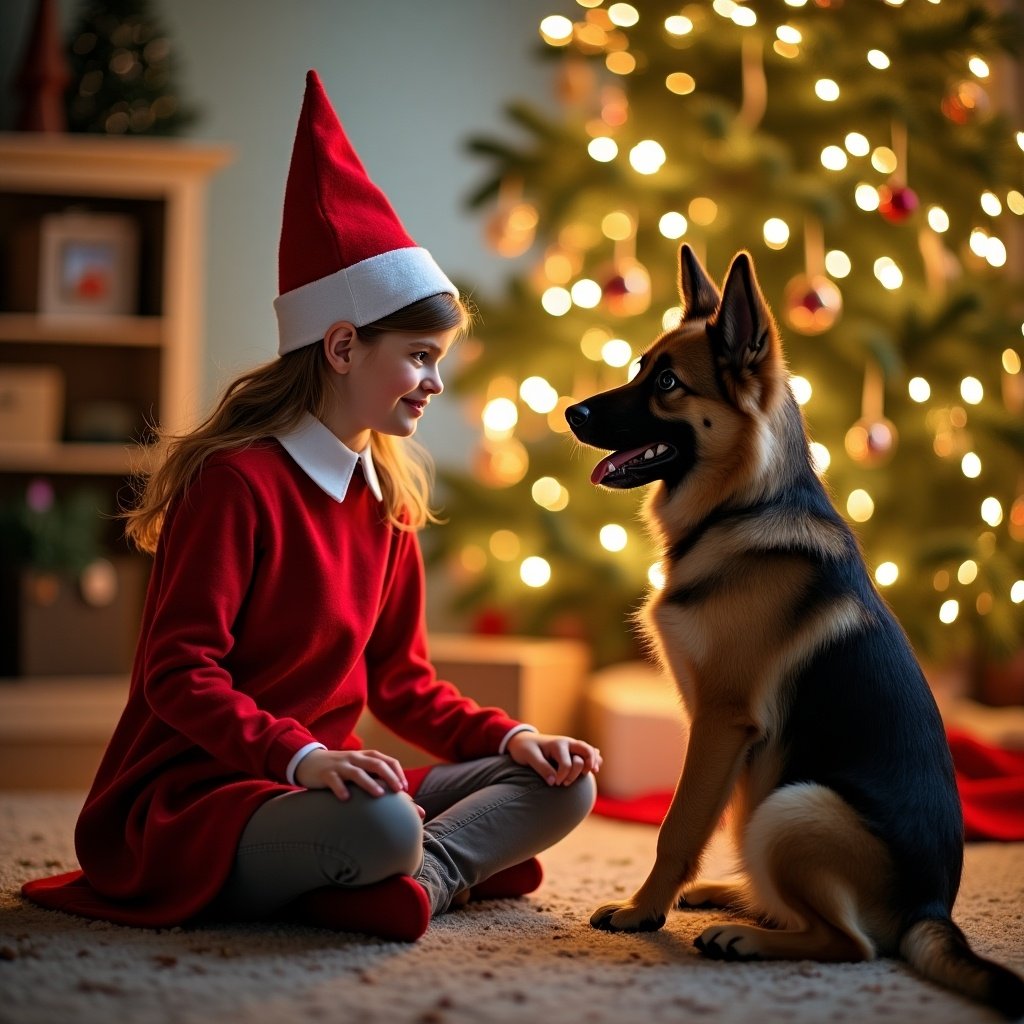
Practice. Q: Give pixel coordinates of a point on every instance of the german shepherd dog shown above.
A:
(808, 709)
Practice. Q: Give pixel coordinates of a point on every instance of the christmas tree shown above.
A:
(863, 153)
(123, 72)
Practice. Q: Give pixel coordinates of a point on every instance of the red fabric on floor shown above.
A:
(990, 780)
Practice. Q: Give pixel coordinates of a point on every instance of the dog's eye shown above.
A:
(667, 380)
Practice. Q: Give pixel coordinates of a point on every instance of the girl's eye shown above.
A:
(420, 357)
(667, 380)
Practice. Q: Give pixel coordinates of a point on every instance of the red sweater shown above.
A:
(274, 615)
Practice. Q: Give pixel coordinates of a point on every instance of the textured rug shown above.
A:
(533, 959)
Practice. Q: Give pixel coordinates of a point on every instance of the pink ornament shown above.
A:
(812, 304)
(896, 204)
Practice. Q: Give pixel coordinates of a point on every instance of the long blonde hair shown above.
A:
(272, 399)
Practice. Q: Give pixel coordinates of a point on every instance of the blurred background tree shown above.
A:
(869, 154)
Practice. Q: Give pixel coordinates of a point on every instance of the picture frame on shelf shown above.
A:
(88, 264)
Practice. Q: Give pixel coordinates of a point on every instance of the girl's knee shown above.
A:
(390, 831)
(583, 794)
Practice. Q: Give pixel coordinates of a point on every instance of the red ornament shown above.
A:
(812, 304)
(491, 622)
(626, 291)
(896, 204)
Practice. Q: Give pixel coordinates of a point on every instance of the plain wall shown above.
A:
(411, 80)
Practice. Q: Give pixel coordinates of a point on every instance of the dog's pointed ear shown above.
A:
(698, 292)
(745, 338)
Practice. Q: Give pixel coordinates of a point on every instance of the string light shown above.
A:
(617, 225)
(1017, 592)
(1015, 202)
(671, 318)
(620, 63)
(971, 390)
(603, 149)
(833, 158)
(776, 233)
(678, 25)
(970, 465)
(837, 263)
(949, 611)
(990, 204)
(535, 571)
(789, 34)
(821, 457)
(866, 197)
(680, 83)
(1011, 361)
(919, 389)
(538, 394)
(886, 574)
(827, 90)
(992, 511)
(883, 159)
(549, 493)
(556, 301)
(878, 59)
(860, 505)
(616, 352)
(702, 211)
(978, 67)
(938, 219)
(623, 15)
(556, 30)
(888, 273)
(801, 388)
(613, 537)
(586, 293)
(967, 573)
(656, 576)
(499, 417)
(857, 144)
(647, 157)
(504, 545)
(672, 224)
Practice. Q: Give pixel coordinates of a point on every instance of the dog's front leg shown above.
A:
(717, 749)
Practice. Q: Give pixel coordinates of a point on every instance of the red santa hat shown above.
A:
(344, 254)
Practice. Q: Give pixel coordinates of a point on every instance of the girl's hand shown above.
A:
(558, 760)
(368, 769)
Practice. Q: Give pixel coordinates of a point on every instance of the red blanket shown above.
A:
(990, 780)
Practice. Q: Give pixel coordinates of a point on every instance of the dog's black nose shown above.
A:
(577, 415)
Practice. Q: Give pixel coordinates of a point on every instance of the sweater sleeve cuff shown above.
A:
(519, 728)
(293, 764)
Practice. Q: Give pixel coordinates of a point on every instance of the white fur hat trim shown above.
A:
(360, 294)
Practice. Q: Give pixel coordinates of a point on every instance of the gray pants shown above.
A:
(481, 817)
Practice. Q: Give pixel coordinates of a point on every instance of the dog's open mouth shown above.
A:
(633, 467)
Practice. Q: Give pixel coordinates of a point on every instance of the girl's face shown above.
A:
(385, 384)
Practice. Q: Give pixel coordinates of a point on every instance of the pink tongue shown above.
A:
(613, 462)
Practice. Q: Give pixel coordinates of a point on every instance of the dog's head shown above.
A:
(705, 391)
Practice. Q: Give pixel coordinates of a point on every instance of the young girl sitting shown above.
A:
(286, 596)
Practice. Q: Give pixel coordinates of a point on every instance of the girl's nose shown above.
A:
(433, 383)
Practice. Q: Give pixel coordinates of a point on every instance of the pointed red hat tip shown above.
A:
(334, 215)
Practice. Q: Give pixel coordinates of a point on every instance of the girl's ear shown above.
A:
(338, 343)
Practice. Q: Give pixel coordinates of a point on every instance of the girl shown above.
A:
(286, 596)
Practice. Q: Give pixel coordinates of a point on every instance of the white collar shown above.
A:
(326, 461)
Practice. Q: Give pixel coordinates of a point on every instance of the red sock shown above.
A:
(517, 880)
(397, 909)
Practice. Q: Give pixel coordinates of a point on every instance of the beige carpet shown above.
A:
(529, 961)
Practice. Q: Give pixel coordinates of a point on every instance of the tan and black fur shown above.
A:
(809, 712)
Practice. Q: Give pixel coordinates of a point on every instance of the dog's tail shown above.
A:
(937, 949)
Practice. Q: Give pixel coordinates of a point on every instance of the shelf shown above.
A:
(73, 458)
(140, 331)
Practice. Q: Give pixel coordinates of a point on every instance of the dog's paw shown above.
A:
(625, 917)
(705, 895)
(726, 942)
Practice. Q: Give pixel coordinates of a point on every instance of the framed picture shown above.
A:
(88, 263)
